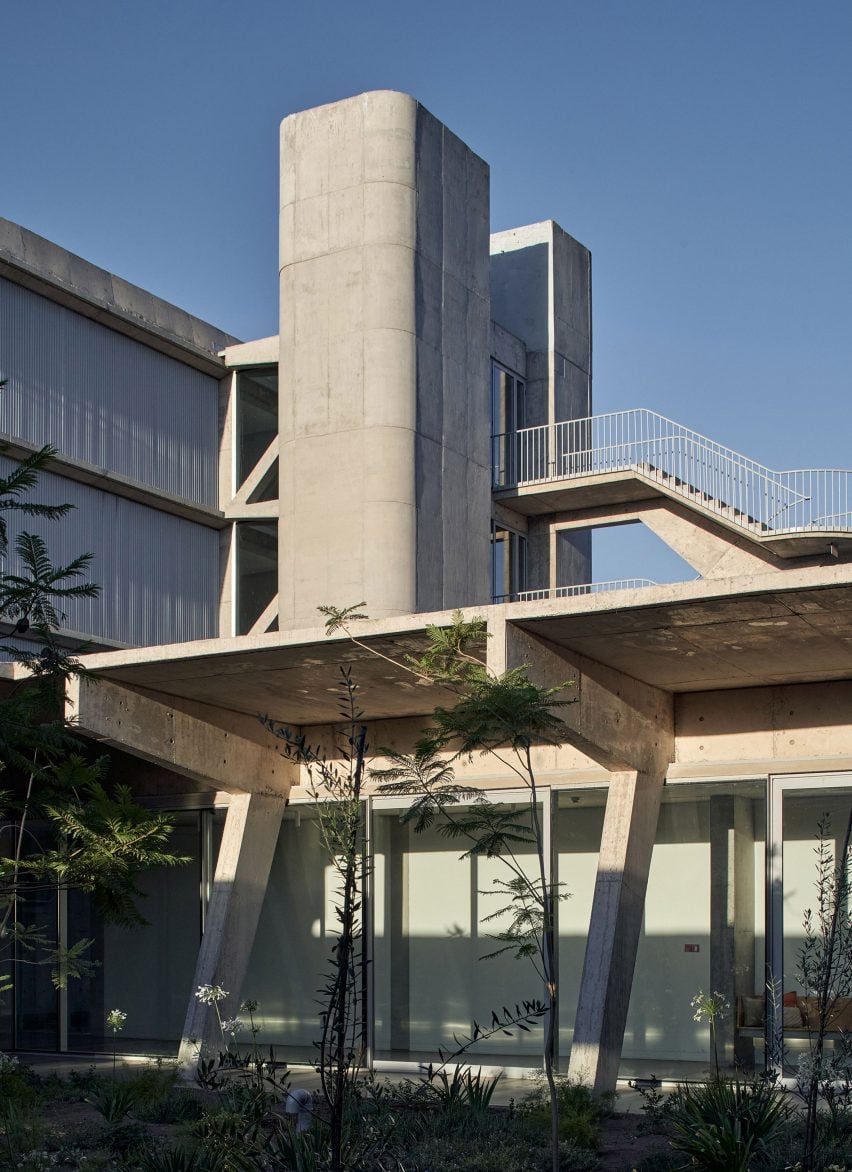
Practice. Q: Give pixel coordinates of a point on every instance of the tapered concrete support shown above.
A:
(242, 873)
(628, 727)
(630, 822)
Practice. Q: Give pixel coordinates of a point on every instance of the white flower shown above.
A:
(710, 1006)
(210, 994)
(116, 1018)
(233, 1025)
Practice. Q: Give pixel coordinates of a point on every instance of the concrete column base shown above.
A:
(242, 873)
(630, 823)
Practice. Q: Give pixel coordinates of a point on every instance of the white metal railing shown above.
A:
(710, 475)
(576, 591)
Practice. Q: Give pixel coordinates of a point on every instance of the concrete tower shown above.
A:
(384, 362)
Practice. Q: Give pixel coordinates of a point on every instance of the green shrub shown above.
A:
(114, 1100)
(724, 1126)
(176, 1107)
(124, 1139)
(181, 1160)
(581, 1112)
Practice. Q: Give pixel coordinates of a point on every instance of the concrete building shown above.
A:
(420, 435)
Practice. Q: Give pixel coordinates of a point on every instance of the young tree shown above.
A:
(61, 827)
(825, 967)
(336, 785)
(504, 716)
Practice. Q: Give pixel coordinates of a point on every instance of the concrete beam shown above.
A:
(160, 732)
(618, 721)
(627, 840)
(239, 887)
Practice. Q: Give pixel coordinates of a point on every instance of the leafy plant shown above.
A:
(464, 1089)
(581, 1112)
(114, 1101)
(723, 1126)
(182, 1160)
(64, 828)
(504, 716)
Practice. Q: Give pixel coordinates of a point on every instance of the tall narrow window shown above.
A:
(508, 563)
(257, 425)
(508, 415)
(257, 571)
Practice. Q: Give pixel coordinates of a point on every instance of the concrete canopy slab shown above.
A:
(771, 629)
(777, 628)
(293, 677)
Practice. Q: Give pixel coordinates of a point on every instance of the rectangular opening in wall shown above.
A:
(257, 571)
(508, 415)
(508, 563)
(257, 420)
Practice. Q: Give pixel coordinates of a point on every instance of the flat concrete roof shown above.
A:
(780, 628)
(46, 268)
(293, 677)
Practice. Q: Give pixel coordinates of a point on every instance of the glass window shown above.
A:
(579, 823)
(804, 814)
(508, 564)
(257, 571)
(295, 935)
(257, 421)
(508, 415)
(703, 929)
(432, 935)
(146, 971)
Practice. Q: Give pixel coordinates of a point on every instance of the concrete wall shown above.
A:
(541, 291)
(384, 361)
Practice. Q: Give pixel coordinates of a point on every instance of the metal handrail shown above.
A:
(576, 591)
(717, 478)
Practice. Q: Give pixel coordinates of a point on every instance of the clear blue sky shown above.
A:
(702, 150)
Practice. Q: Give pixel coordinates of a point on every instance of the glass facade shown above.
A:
(433, 932)
(723, 912)
(145, 970)
(579, 823)
(703, 929)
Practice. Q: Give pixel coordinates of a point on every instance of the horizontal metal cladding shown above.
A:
(158, 573)
(104, 398)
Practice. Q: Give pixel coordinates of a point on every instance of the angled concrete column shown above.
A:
(242, 873)
(628, 727)
(630, 822)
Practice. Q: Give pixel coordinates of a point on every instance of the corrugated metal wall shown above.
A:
(101, 397)
(158, 573)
